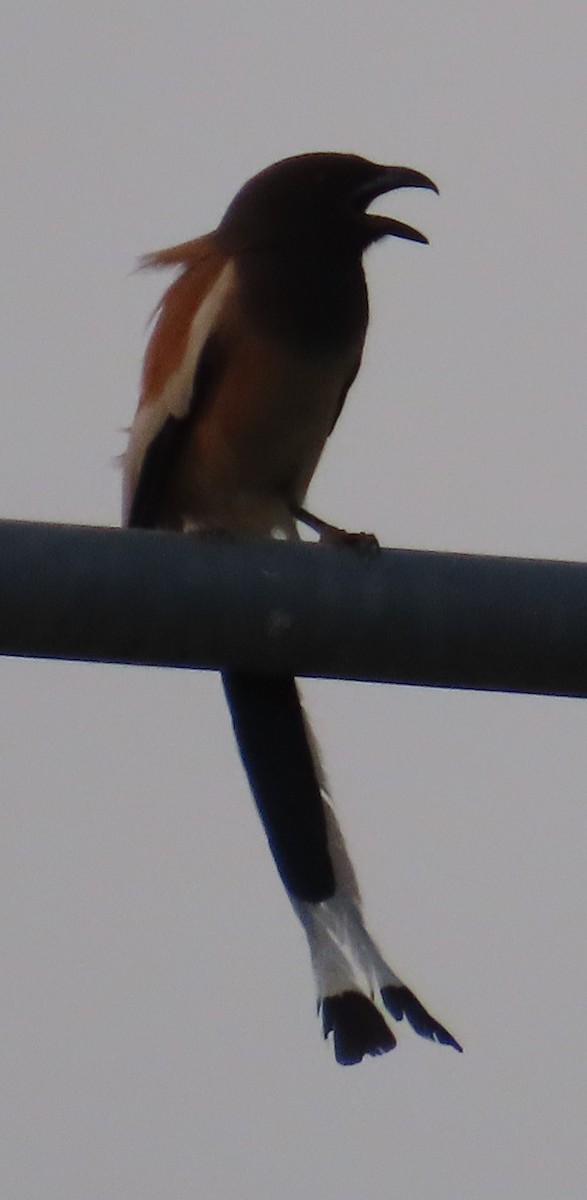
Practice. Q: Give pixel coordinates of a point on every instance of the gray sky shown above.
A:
(157, 1033)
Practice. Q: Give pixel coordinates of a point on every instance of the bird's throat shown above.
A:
(317, 304)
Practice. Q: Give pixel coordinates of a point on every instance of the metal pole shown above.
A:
(400, 616)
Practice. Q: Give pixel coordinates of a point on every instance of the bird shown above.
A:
(254, 346)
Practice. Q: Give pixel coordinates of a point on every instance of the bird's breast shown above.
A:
(254, 449)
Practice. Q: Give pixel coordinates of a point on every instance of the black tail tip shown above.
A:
(400, 1002)
(358, 1028)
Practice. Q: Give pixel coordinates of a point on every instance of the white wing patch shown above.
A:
(175, 397)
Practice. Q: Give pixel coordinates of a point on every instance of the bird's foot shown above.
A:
(364, 543)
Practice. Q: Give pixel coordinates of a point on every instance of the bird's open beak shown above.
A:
(388, 180)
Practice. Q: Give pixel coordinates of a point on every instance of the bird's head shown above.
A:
(317, 201)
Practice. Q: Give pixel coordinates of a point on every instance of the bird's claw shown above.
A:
(363, 543)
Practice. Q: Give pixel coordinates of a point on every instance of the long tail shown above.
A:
(286, 778)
